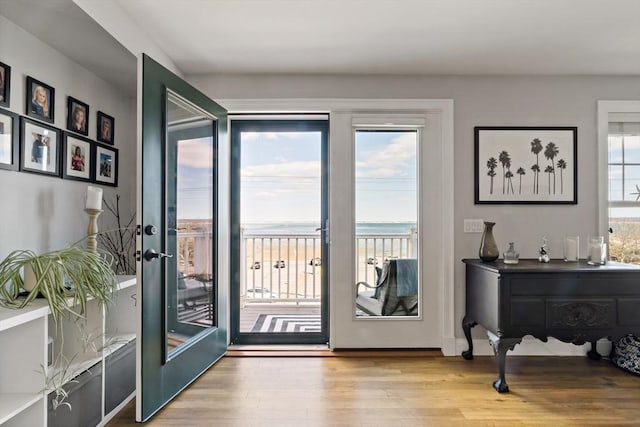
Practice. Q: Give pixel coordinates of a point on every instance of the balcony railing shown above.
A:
(286, 268)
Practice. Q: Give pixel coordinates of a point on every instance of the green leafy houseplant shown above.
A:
(67, 278)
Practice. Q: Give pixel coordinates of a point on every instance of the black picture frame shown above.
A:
(41, 110)
(77, 116)
(9, 141)
(5, 85)
(105, 169)
(39, 148)
(105, 128)
(77, 157)
(510, 163)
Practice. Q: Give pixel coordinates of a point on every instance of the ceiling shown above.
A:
(384, 37)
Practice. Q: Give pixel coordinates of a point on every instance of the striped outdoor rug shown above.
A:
(287, 323)
(199, 316)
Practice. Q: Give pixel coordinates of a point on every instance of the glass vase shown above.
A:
(488, 248)
(511, 256)
(597, 251)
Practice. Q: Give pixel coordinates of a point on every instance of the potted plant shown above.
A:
(67, 278)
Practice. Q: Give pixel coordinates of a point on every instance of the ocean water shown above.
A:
(310, 228)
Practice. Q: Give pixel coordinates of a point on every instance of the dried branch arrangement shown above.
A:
(121, 242)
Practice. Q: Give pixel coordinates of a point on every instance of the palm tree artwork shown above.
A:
(549, 170)
(511, 153)
(492, 164)
(550, 152)
(536, 148)
(521, 172)
(562, 165)
(536, 170)
(505, 160)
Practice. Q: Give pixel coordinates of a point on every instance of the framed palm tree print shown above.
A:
(526, 165)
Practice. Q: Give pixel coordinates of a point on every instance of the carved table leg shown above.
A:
(467, 324)
(500, 348)
(593, 353)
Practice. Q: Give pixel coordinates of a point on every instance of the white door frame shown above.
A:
(438, 116)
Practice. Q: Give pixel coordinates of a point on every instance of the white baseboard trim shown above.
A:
(530, 347)
(450, 346)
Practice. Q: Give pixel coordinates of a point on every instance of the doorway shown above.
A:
(279, 229)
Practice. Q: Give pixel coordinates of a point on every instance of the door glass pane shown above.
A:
(280, 242)
(191, 177)
(386, 221)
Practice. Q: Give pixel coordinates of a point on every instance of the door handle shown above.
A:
(151, 254)
(325, 230)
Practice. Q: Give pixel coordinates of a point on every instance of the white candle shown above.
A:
(94, 198)
(572, 250)
(595, 252)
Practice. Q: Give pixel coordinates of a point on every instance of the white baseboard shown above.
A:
(530, 347)
(450, 346)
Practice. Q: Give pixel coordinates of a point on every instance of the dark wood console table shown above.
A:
(572, 301)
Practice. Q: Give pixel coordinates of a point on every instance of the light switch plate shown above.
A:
(473, 226)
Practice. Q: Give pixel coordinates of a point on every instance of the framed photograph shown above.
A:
(526, 165)
(9, 148)
(106, 128)
(5, 85)
(40, 101)
(39, 148)
(106, 165)
(77, 116)
(76, 160)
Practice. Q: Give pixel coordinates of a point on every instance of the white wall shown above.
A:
(40, 212)
(478, 101)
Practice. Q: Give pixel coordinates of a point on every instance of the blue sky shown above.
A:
(281, 177)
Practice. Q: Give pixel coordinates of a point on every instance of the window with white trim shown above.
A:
(624, 187)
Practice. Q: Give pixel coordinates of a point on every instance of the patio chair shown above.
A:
(395, 292)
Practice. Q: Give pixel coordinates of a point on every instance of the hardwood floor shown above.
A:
(402, 391)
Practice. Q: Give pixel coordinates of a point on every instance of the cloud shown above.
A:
(297, 170)
(392, 160)
(196, 153)
(252, 136)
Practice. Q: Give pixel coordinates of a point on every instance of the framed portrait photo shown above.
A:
(9, 148)
(40, 100)
(526, 165)
(105, 128)
(106, 165)
(77, 159)
(77, 116)
(39, 148)
(5, 85)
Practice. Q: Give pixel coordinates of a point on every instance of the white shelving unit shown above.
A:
(24, 337)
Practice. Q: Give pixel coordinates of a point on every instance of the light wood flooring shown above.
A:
(391, 390)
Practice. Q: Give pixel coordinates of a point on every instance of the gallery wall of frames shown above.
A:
(30, 143)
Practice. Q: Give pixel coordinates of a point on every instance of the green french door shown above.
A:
(279, 229)
(182, 328)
